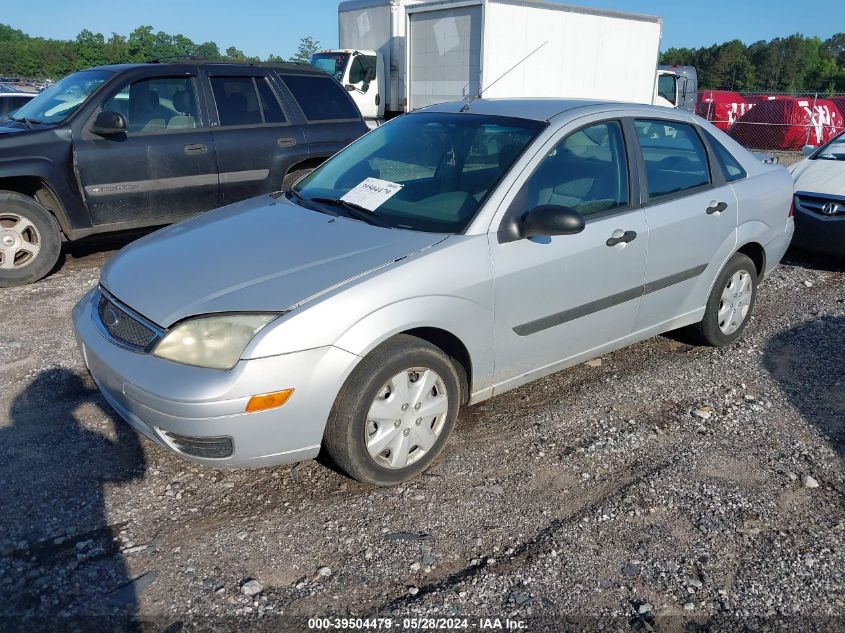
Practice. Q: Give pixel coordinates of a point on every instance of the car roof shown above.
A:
(545, 109)
(284, 66)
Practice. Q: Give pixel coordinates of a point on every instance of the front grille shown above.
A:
(121, 326)
(214, 447)
(815, 204)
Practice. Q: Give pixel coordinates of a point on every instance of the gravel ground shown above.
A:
(668, 487)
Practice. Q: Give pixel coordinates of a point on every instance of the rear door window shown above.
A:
(320, 98)
(245, 101)
(674, 156)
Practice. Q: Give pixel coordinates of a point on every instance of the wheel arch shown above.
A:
(453, 347)
(37, 188)
(757, 254)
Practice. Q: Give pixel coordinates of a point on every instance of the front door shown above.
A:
(163, 167)
(558, 297)
(692, 219)
(256, 140)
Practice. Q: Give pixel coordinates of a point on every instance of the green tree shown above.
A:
(307, 47)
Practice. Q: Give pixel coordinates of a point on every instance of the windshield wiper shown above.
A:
(355, 210)
(304, 202)
(25, 120)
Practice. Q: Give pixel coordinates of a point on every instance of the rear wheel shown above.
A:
(30, 241)
(395, 412)
(730, 304)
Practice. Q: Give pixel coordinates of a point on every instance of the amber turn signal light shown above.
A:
(268, 400)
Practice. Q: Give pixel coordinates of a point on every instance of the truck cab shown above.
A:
(676, 87)
(361, 73)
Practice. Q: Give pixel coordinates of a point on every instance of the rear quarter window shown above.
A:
(730, 166)
(320, 98)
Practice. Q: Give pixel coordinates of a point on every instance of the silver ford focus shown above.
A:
(445, 257)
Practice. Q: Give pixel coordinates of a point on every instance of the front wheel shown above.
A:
(395, 412)
(30, 241)
(730, 304)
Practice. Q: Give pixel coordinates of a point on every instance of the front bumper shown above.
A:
(819, 233)
(166, 401)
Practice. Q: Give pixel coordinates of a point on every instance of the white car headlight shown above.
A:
(216, 342)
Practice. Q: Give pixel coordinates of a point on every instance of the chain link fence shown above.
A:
(779, 124)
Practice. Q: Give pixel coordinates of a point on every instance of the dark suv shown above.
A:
(128, 146)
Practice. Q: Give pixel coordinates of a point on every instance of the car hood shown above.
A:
(820, 176)
(259, 255)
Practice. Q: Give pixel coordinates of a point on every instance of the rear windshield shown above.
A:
(433, 169)
(60, 100)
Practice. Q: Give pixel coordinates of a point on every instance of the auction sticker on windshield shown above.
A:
(371, 193)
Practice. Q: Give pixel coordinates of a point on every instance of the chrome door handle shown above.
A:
(717, 208)
(619, 237)
(197, 148)
(285, 142)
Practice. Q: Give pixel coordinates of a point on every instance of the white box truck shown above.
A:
(401, 55)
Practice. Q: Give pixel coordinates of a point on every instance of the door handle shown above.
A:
(285, 142)
(717, 208)
(619, 237)
(197, 148)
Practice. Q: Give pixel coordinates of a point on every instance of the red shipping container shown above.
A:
(788, 124)
(721, 107)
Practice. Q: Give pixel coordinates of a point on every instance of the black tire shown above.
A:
(47, 235)
(708, 331)
(291, 178)
(345, 435)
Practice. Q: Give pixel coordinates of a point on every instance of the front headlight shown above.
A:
(216, 342)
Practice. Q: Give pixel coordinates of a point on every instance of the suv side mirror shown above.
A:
(552, 219)
(109, 123)
(808, 150)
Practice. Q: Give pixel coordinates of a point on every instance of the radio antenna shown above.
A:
(500, 77)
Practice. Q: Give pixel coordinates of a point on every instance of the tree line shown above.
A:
(39, 58)
(790, 64)
(784, 64)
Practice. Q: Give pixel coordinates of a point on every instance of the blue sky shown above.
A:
(260, 27)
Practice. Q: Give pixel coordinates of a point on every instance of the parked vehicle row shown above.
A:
(12, 98)
(128, 146)
(445, 257)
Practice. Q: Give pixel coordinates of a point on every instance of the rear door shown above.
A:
(331, 119)
(254, 134)
(692, 218)
(444, 55)
(164, 167)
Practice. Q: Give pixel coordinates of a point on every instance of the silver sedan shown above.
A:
(445, 257)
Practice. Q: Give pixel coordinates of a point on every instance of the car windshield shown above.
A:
(426, 172)
(60, 100)
(332, 63)
(834, 150)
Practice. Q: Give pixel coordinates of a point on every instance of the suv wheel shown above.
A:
(395, 412)
(30, 242)
(730, 303)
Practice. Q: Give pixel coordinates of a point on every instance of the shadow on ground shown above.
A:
(808, 362)
(59, 557)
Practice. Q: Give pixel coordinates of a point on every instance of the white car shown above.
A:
(820, 198)
(12, 98)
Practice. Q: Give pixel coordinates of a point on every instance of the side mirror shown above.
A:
(350, 88)
(109, 123)
(808, 150)
(551, 219)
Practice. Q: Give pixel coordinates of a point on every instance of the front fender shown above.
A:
(470, 322)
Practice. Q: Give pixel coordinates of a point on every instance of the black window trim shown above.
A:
(322, 77)
(716, 177)
(507, 225)
(217, 125)
(119, 83)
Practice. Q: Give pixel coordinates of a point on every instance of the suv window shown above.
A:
(363, 69)
(730, 165)
(674, 156)
(157, 104)
(320, 98)
(587, 170)
(245, 101)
